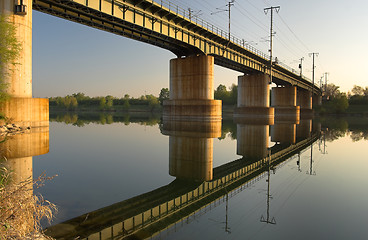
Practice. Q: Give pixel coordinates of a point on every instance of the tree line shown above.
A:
(333, 100)
(80, 100)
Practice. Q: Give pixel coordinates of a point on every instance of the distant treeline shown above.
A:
(80, 100)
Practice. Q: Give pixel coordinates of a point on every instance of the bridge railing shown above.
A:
(172, 7)
(209, 26)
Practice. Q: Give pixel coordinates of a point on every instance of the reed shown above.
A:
(21, 211)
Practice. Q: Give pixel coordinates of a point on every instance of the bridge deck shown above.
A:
(153, 23)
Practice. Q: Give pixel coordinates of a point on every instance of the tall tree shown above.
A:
(332, 91)
(221, 93)
(164, 95)
(357, 90)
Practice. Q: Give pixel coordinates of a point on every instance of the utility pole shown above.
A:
(195, 15)
(229, 5)
(313, 54)
(301, 66)
(267, 219)
(326, 74)
(311, 172)
(272, 33)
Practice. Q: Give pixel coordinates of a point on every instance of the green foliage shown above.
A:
(153, 102)
(331, 91)
(109, 102)
(357, 90)
(227, 97)
(82, 102)
(359, 95)
(9, 52)
(68, 102)
(164, 95)
(126, 105)
(338, 104)
(102, 103)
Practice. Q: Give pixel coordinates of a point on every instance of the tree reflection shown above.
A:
(82, 119)
(335, 128)
(358, 135)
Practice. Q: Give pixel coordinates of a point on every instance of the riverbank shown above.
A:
(227, 110)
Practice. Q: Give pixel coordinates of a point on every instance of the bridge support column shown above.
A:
(254, 97)
(191, 148)
(192, 90)
(305, 102)
(283, 99)
(317, 100)
(21, 108)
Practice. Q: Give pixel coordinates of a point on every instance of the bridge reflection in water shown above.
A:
(18, 151)
(197, 184)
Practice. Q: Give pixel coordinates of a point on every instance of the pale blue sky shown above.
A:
(70, 57)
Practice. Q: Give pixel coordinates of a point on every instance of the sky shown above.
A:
(69, 57)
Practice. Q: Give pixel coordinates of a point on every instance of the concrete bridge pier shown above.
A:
(283, 99)
(253, 139)
(22, 109)
(254, 97)
(192, 90)
(191, 148)
(304, 101)
(316, 100)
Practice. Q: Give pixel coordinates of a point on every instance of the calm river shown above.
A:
(135, 177)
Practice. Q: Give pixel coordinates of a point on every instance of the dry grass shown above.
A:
(20, 210)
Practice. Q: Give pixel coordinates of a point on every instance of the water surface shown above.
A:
(317, 193)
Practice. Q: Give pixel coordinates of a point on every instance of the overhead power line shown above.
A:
(293, 33)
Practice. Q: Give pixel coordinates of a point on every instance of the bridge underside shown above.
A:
(78, 13)
(150, 22)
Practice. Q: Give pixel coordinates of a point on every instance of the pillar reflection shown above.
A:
(304, 129)
(16, 154)
(253, 137)
(284, 131)
(191, 148)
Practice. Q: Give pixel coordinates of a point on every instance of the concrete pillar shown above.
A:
(304, 101)
(22, 109)
(283, 99)
(192, 90)
(317, 100)
(191, 148)
(254, 97)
